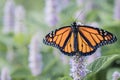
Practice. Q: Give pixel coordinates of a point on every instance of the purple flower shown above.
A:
(117, 10)
(19, 20)
(116, 75)
(5, 74)
(8, 22)
(51, 12)
(78, 67)
(35, 58)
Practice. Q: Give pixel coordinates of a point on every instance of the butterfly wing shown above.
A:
(63, 39)
(83, 46)
(89, 39)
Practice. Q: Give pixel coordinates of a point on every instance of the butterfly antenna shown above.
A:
(75, 19)
(81, 12)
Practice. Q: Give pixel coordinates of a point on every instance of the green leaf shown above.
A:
(102, 63)
(100, 67)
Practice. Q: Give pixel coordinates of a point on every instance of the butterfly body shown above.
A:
(80, 39)
(75, 31)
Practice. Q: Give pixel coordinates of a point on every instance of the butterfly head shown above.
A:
(74, 24)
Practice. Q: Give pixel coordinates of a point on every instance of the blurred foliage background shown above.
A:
(23, 56)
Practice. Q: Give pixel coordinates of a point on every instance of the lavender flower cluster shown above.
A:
(78, 67)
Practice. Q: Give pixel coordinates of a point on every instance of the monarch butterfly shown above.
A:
(80, 39)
